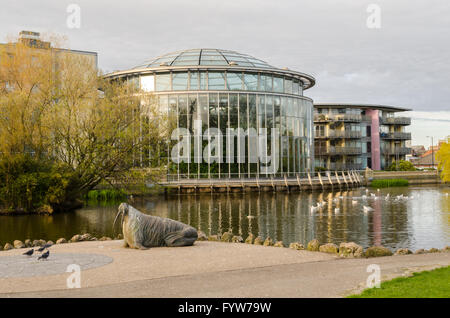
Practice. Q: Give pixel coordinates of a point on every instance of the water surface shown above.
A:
(420, 221)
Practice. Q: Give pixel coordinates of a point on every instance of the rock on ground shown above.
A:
(296, 246)
(250, 239)
(18, 244)
(377, 251)
(237, 239)
(226, 237)
(402, 251)
(8, 247)
(279, 244)
(313, 246)
(201, 236)
(258, 241)
(328, 248)
(62, 240)
(268, 242)
(213, 238)
(351, 250)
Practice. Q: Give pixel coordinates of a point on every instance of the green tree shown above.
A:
(443, 159)
(401, 165)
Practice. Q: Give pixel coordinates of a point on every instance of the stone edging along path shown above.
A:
(346, 250)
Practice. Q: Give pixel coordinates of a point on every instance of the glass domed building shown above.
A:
(234, 116)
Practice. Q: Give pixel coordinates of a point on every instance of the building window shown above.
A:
(234, 81)
(180, 81)
(163, 82)
(216, 80)
(148, 83)
(251, 82)
(278, 84)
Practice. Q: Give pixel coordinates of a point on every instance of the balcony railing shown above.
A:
(392, 151)
(332, 151)
(345, 166)
(396, 135)
(395, 120)
(338, 134)
(337, 117)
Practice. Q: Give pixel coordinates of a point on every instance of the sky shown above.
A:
(404, 62)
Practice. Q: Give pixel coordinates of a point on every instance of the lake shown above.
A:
(421, 219)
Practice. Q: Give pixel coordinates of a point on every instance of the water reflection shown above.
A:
(420, 221)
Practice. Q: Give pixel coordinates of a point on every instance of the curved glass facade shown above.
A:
(227, 123)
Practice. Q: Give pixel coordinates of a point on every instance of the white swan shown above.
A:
(367, 208)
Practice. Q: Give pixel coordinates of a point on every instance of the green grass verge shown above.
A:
(428, 284)
(385, 183)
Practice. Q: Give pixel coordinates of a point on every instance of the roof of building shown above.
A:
(362, 106)
(211, 59)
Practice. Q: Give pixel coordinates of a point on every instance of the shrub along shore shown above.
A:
(345, 250)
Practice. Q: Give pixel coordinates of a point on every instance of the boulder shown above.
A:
(328, 248)
(226, 237)
(258, 241)
(50, 243)
(28, 243)
(8, 247)
(402, 251)
(75, 238)
(279, 244)
(1, 247)
(214, 238)
(62, 240)
(313, 245)
(268, 242)
(201, 236)
(18, 244)
(433, 250)
(86, 237)
(377, 251)
(351, 250)
(296, 246)
(420, 251)
(36, 243)
(237, 239)
(250, 239)
(42, 242)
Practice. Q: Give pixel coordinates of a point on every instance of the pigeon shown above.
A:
(45, 255)
(29, 252)
(44, 247)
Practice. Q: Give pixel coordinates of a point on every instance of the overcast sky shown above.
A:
(404, 63)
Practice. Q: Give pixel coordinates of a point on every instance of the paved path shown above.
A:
(213, 269)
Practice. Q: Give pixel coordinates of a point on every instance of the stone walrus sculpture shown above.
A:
(143, 231)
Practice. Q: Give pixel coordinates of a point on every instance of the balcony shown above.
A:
(396, 135)
(324, 118)
(333, 134)
(336, 151)
(395, 121)
(392, 151)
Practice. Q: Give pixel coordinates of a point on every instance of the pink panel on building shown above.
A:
(375, 138)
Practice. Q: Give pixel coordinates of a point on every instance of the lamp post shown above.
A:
(432, 151)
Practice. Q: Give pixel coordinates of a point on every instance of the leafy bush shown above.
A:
(34, 185)
(385, 183)
(402, 165)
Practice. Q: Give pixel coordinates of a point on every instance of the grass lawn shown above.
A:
(428, 284)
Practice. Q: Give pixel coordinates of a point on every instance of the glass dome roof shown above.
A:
(205, 57)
